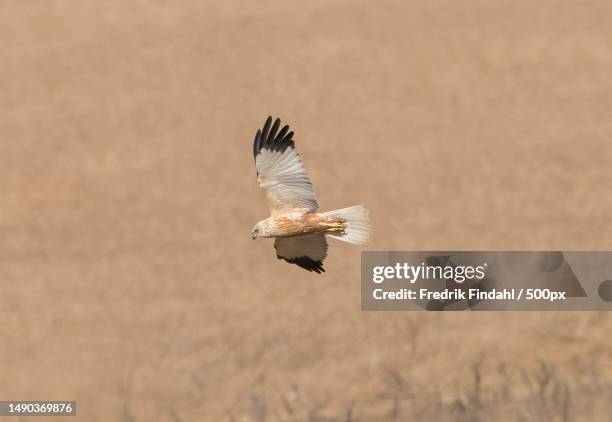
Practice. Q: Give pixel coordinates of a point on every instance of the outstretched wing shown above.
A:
(307, 251)
(280, 171)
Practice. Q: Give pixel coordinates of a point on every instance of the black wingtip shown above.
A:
(269, 138)
(257, 143)
(282, 133)
(275, 126)
(266, 128)
(306, 263)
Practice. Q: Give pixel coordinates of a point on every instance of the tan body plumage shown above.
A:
(296, 224)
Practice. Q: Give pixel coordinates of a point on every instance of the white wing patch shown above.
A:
(280, 171)
(283, 177)
(307, 251)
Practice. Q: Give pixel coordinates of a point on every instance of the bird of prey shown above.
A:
(299, 230)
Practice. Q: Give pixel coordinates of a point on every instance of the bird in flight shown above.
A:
(299, 230)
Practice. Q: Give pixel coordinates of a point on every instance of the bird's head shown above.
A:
(255, 232)
(262, 229)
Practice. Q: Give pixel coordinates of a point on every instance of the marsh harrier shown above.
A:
(295, 223)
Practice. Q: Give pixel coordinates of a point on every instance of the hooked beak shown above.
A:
(253, 236)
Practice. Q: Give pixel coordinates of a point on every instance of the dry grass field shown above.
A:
(129, 281)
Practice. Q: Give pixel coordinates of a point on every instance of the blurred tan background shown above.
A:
(129, 282)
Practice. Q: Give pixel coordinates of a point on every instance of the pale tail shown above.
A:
(358, 226)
